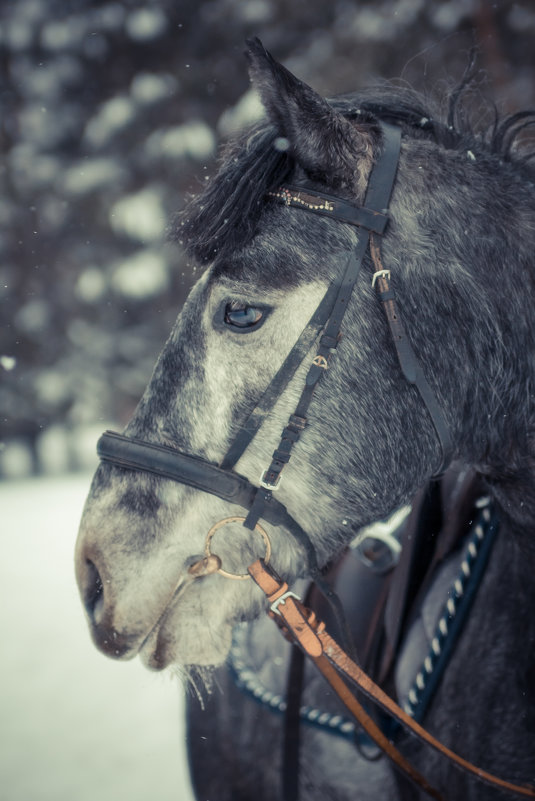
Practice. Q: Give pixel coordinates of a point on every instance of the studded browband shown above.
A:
(330, 206)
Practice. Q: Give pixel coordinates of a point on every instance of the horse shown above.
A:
(457, 248)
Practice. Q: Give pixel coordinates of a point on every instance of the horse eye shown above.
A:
(242, 317)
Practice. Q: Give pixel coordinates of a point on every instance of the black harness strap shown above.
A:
(135, 454)
(408, 361)
(378, 193)
(372, 217)
(278, 384)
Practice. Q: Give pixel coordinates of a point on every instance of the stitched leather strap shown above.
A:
(331, 206)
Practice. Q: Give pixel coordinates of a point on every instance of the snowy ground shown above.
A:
(74, 725)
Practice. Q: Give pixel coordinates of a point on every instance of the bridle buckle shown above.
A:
(380, 274)
(268, 484)
(378, 546)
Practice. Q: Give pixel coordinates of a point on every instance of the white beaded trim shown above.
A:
(295, 197)
(247, 679)
(450, 608)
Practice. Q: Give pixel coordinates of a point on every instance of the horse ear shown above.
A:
(329, 147)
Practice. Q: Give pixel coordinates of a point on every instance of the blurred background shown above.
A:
(111, 113)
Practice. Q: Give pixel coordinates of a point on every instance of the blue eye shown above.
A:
(243, 316)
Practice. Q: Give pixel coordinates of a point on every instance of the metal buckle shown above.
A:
(267, 485)
(380, 274)
(378, 546)
(321, 361)
(288, 594)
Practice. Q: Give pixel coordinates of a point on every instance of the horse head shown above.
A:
(457, 248)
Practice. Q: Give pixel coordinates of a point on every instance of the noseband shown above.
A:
(223, 481)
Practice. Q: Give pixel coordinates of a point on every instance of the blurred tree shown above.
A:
(111, 112)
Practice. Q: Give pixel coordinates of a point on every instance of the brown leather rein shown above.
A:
(304, 629)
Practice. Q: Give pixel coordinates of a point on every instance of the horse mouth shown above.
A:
(154, 649)
(185, 637)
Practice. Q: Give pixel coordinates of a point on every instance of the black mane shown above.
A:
(224, 216)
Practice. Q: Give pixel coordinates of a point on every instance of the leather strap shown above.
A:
(331, 206)
(133, 454)
(408, 361)
(251, 425)
(297, 621)
(372, 729)
(378, 193)
(161, 460)
(353, 672)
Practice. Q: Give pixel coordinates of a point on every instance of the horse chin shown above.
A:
(184, 647)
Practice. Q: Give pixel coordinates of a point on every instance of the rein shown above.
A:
(222, 481)
(309, 633)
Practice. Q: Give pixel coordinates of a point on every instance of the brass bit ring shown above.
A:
(208, 553)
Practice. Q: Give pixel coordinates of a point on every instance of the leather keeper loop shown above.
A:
(281, 456)
(298, 422)
(388, 294)
(290, 434)
(327, 341)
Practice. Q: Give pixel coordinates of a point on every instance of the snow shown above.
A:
(247, 110)
(140, 215)
(15, 459)
(91, 285)
(194, 139)
(75, 725)
(141, 276)
(146, 23)
(64, 34)
(148, 87)
(89, 175)
(111, 118)
(8, 363)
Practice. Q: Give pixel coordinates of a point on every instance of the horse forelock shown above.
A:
(224, 217)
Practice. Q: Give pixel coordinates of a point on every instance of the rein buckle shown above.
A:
(275, 605)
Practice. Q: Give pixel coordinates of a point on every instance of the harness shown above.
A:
(446, 541)
(259, 502)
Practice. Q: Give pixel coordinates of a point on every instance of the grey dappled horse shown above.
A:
(460, 245)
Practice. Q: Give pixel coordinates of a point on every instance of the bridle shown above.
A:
(259, 502)
(221, 480)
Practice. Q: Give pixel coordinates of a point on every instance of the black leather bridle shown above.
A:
(221, 480)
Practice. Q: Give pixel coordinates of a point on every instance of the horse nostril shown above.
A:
(94, 592)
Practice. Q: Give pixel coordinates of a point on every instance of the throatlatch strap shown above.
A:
(408, 361)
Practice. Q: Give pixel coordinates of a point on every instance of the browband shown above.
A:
(330, 206)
